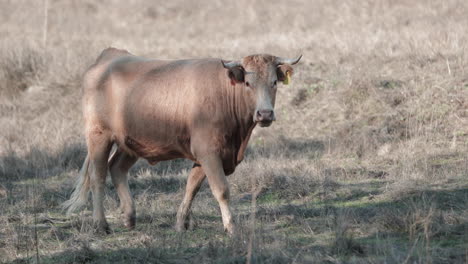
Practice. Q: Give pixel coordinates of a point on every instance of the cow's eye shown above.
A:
(274, 83)
(247, 84)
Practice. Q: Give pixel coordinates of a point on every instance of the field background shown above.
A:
(367, 162)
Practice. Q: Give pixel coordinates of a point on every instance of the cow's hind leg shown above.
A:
(119, 166)
(99, 146)
(194, 181)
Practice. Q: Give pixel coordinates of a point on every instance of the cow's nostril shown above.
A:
(264, 117)
(265, 114)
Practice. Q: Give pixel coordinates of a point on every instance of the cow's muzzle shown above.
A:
(264, 117)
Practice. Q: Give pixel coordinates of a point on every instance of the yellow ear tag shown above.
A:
(287, 80)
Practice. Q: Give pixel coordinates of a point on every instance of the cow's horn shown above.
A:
(280, 61)
(231, 64)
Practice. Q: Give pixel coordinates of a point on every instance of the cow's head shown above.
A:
(260, 75)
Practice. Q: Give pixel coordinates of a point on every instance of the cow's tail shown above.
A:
(80, 195)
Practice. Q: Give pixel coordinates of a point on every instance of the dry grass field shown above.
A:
(366, 163)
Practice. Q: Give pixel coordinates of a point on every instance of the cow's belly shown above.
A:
(153, 133)
(153, 150)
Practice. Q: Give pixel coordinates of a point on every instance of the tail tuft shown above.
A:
(80, 195)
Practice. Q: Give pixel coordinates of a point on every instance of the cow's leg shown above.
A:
(194, 181)
(213, 167)
(119, 167)
(99, 146)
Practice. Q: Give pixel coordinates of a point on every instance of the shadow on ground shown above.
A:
(39, 163)
(211, 253)
(365, 211)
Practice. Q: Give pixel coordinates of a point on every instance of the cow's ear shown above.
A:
(284, 72)
(235, 71)
(237, 74)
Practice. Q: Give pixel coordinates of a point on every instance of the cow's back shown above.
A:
(149, 105)
(107, 83)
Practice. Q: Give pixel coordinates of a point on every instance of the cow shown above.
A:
(203, 110)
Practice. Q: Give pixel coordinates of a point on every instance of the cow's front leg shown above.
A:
(194, 181)
(213, 167)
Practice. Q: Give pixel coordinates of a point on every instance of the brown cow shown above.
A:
(199, 109)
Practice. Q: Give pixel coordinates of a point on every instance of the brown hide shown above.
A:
(163, 109)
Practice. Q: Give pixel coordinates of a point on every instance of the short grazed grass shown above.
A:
(366, 220)
(366, 163)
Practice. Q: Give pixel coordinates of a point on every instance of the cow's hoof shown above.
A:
(102, 228)
(130, 222)
(230, 229)
(179, 228)
(182, 226)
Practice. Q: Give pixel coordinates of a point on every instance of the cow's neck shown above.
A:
(239, 110)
